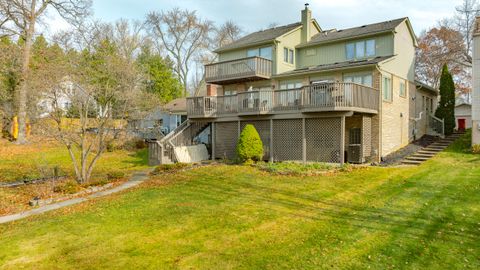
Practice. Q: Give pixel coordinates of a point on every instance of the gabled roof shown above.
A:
(421, 85)
(260, 37)
(178, 105)
(365, 30)
(335, 66)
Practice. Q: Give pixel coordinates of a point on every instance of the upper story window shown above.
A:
(288, 55)
(265, 52)
(360, 49)
(387, 88)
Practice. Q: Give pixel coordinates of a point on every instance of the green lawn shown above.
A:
(233, 217)
(38, 159)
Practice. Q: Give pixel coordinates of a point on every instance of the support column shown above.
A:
(304, 142)
(271, 140)
(213, 135)
(239, 129)
(342, 142)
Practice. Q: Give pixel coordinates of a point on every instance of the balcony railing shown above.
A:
(251, 68)
(313, 98)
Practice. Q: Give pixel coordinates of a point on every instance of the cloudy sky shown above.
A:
(253, 15)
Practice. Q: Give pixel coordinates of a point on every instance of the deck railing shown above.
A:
(316, 97)
(237, 69)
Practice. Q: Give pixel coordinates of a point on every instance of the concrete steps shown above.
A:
(431, 150)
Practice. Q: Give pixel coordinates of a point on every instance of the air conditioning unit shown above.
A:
(355, 153)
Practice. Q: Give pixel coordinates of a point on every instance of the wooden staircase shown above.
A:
(431, 150)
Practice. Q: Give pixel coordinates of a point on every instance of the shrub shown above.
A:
(70, 187)
(170, 168)
(250, 146)
(476, 149)
(295, 168)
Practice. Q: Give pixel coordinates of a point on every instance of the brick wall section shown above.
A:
(395, 118)
(376, 132)
(367, 137)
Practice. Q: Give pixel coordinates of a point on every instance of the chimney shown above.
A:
(211, 90)
(306, 24)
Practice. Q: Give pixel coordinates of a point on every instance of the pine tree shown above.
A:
(446, 108)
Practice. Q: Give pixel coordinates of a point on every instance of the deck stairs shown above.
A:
(431, 150)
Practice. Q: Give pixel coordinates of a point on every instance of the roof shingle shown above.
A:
(259, 37)
(370, 29)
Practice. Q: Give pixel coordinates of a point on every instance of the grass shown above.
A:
(38, 159)
(240, 217)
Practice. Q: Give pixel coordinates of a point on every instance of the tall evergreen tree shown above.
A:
(446, 108)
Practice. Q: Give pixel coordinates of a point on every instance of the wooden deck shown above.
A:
(327, 97)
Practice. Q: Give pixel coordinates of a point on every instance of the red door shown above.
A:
(461, 124)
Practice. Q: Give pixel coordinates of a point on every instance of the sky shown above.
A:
(253, 15)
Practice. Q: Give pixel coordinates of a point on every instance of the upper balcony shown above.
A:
(325, 97)
(239, 70)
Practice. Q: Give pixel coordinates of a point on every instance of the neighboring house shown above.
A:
(317, 95)
(174, 114)
(165, 119)
(463, 116)
(476, 84)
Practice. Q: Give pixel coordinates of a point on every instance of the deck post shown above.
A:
(271, 140)
(342, 141)
(213, 135)
(304, 142)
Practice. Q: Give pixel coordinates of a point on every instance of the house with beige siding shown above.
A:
(314, 94)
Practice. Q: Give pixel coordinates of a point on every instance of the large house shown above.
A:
(316, 94)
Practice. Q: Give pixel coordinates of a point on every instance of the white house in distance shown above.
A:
(476, 84)
(463, 115)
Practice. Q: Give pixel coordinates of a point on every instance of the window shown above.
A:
(350, 51)
(290, 85)
(288, 55)
(265, 52)
(253, 52)
(364, 79)
(360, 49)
(229, 92)
(402, 90)
(370, 47)
(387, 88)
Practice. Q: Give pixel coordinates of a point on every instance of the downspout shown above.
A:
(380, 109)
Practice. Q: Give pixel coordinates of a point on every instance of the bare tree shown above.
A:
(437, 47)
(463, 21)
(227, 33)
(102, 89)
(183, 35)
(19, 18)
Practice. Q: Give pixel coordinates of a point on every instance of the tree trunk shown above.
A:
(21, 93)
